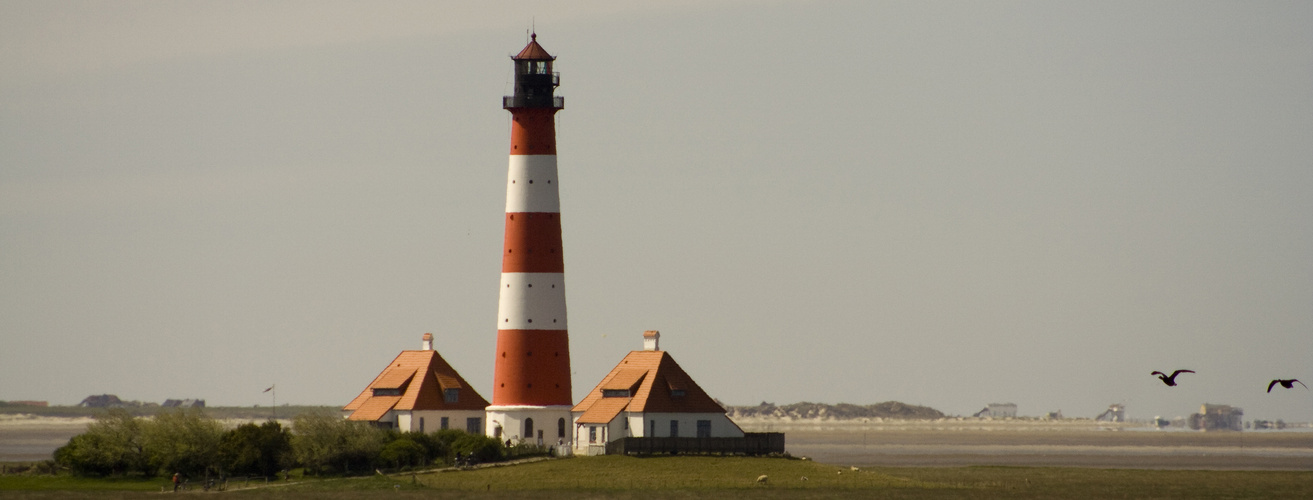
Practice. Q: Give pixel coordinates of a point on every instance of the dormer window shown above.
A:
(615, 393)
(387, 392)
(677, 393)
(451, 396)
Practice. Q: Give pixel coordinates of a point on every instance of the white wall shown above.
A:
(433, 420)
(640, 426)
(512, 423)
(721, 426)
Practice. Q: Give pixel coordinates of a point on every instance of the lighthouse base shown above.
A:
(540, 425)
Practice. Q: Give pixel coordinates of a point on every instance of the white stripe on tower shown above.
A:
(531, 185)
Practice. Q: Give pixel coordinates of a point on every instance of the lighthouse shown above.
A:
(531, 398)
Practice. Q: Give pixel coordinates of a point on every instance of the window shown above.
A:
(615, 393)
(592, 433)
(387, 392)
(421, 424)
(704, 428)
(474, 425)
(528, 429)
(445, 423)
(674, 428)
(560, 428)
(678, 393)
(451, 396)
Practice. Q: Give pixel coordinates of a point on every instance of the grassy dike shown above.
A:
(734, 477)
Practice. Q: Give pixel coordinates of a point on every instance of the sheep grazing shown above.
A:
(804, 478)
(854, 469)
(763, 479)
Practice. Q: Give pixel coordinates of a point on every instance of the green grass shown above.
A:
(734, 477)
(64, 482)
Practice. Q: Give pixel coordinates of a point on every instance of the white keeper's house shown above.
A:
(647, 395)
(418, 391)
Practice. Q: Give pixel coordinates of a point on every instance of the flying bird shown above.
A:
(1289, 384)
(1170, 380)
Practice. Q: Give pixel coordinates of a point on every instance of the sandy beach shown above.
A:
(28, 438)
(1065, 443)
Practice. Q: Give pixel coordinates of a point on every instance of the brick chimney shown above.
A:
(427, 345)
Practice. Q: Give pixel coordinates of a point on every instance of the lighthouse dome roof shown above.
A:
(533, 51)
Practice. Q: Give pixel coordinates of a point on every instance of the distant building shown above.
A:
(42, 404)
(1114, 413)
(998, 410)
(420, 392)
(1267, 424)
(101, 401)
(648, 395)
(183, 403)
(1217, 418)
(1053, 415)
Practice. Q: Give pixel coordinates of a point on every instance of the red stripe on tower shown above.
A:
(532, 371)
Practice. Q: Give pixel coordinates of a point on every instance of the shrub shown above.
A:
(181, 441)
(323, 442)
(483, 448)
(403, 452)
(434, 447)
(449, 436)
(252, 449)
(113, 444)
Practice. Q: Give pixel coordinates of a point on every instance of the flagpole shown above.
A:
(274, 389)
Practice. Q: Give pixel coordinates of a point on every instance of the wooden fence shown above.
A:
(752, 443)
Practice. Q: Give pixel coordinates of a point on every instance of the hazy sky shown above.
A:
(940, 203)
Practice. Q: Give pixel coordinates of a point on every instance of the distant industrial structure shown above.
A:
(1213, 417)
(1114, 413)
(998, 410)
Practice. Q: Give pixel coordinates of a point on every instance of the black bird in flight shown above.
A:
(1289, 384)
(1170, 380)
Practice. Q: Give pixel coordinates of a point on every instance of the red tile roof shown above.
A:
(624, 379)
(394, 379)
(422, 376)
(374, 408)
(651, 376)
(604, 410)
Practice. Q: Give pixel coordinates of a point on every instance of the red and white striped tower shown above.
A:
(531, 398)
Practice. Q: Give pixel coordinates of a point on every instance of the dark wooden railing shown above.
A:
(752, 443)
